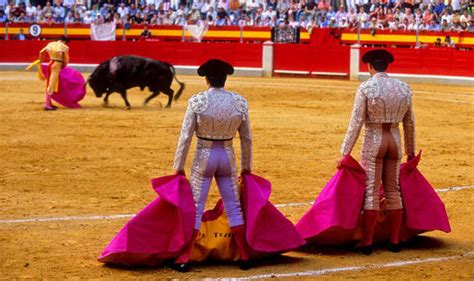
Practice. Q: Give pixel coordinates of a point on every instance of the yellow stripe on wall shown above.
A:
(154, 32)
(304, 35)
(210, 33)
(48, 31)
(467, 41)
(398, 38)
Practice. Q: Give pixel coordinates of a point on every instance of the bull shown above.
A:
(124, 72)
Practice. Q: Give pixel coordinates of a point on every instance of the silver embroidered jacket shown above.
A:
(381, 99)
(215, 114)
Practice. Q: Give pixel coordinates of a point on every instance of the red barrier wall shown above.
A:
(296, 57)
(240, 55)
(433, 61)
(311, 58)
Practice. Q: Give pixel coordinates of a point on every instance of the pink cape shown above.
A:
(71, 87)
(334, 217)
(162, 228)
(424, 210)
(267, 230)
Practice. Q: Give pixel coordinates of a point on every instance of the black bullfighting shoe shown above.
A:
(245, 264)
(180, 267)
(364, 250)
(394, 248)
(50, 108)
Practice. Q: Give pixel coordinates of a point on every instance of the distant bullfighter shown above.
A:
(124, 72)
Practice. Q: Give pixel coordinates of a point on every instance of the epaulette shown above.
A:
(240, 103)
(198, 102)
(368, 88)
(405, 88)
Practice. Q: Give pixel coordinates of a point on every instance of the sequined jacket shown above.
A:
(381, 99)
(215, 114)
(57, 51)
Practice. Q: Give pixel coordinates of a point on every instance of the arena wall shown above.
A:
(441, 65)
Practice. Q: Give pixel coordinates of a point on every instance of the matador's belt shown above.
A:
(208, 139)
(211, 143)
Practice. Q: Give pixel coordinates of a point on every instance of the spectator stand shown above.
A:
(162, 33)
(406, 38)
(246, 34)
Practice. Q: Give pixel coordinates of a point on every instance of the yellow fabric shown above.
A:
(40, 69)
(215, 242)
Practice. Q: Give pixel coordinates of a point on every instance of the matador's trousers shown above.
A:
(53, 78)
(216, 159)
(381, 155)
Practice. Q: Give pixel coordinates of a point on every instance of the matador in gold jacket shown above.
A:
(58, 53)
(381, 103)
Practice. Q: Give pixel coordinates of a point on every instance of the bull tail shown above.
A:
(181, 84)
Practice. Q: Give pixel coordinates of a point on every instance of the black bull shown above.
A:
(124, 72)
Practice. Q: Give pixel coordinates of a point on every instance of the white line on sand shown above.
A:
(120, 216)
(324, 271)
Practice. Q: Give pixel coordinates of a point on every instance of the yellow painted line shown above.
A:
(13, 30)
(210, 33)
(304, 35)
(52, 31)
(154, 32)
(236, 34)
(78, 31)
(396, 38)
(48, 31)
(257, 34)
(432, 38)
(467, 41)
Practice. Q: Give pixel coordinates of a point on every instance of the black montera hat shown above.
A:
(379, 55)
(63, 38)
(215, 68)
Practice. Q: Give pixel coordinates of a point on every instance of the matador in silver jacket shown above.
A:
(215, 116)
(381, 103)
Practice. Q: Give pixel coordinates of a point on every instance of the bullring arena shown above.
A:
(72, 178)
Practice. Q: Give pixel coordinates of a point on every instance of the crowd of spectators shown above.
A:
(428, 15)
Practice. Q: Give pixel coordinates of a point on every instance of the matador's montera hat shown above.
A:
(378, 55)
(215, 68)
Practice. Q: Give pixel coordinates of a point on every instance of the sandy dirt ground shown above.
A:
(97, 161)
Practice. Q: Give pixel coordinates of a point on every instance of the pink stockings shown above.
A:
(47, 102)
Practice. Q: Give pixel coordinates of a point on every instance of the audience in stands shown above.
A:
(424, 15)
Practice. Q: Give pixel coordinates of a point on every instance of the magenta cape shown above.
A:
(162, 228)
(334, 217)
(267, 230)
(424, 210)
(71, 89)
